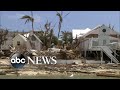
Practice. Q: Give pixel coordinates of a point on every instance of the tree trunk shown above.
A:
(51, 35)
(59, 29)
(32, 27)
(32, 21)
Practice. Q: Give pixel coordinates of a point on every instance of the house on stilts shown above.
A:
(101, 43)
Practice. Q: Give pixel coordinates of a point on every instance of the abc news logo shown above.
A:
(18, 60)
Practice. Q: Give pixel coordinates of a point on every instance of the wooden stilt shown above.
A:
(115, 53)
(85, 53)
(111, 60)
(101, 56)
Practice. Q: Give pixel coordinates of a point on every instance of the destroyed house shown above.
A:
(29, 41)
(21, 43)
(101, 43)
(35, 42)
(8, 43)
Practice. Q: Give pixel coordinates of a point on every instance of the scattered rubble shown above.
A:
(109, 74)
(109, 70)
(2, 72)
(61, 53)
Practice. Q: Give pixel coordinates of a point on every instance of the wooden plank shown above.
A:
(107, 74)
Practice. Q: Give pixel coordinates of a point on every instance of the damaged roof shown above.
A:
(28, 34)
(96, 31)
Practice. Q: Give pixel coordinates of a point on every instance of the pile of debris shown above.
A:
(109, 70)
(61, 53)
(96, 69)
(5, 53)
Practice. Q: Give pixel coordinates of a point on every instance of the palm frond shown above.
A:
(60, 17)
(25, 17)
(27, 21)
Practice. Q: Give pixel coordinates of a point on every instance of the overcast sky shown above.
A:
(75, 20)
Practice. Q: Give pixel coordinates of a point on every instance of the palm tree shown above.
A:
(60, 15)
(47, 26)
(60, 21)
(67, 37)
(48, 39)
(32, 19)
(29, 19)
(51, 35)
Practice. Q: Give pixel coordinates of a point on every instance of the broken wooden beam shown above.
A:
(108, 75)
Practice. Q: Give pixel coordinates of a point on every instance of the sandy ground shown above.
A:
(5, 61)
(55, 74)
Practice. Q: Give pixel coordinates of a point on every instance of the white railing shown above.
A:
(108, 52)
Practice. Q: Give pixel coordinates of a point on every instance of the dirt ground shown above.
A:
(71, 71)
